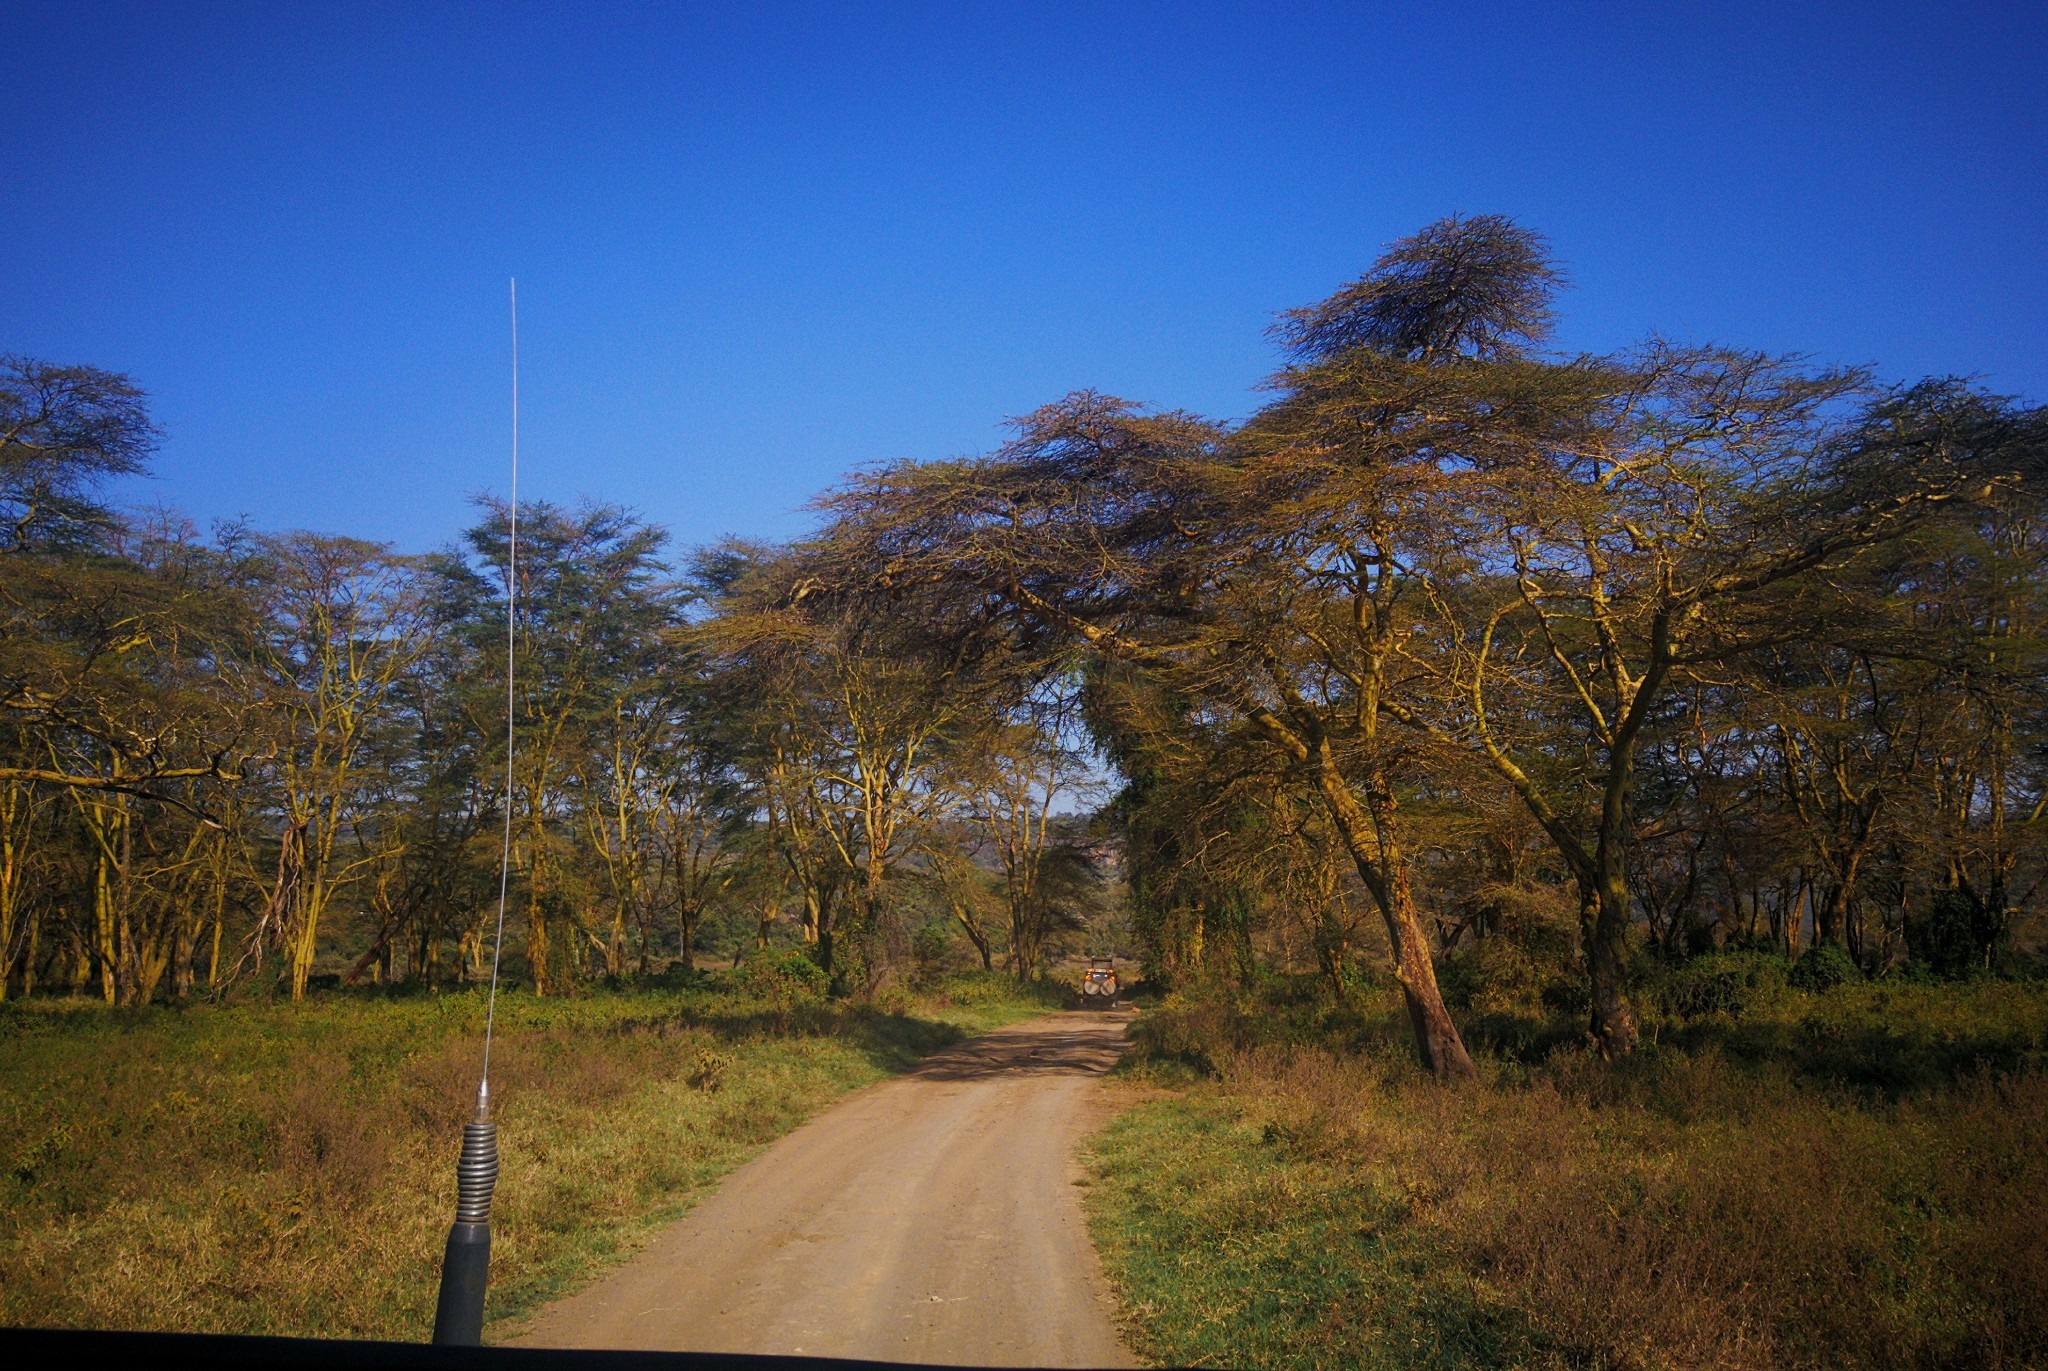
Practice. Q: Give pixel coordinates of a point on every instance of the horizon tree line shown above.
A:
(1457, 639)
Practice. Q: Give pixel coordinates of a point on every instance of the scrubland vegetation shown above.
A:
(1589, 811)
(1852, 1177)
(276, 1169)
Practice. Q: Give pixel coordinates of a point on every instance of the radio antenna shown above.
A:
(466, 1269)
(483, 1090)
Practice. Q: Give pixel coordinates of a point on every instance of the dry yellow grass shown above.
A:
(1303, 1207)
(279, 1169)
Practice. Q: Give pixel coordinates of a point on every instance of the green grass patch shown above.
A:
(1230, 1250)
(290, 1169)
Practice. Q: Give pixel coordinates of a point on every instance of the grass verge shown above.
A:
(1851, 1179)
(290, 1169)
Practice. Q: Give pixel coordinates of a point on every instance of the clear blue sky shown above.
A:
(759, 246)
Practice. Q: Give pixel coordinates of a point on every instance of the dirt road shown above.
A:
(931, 1218)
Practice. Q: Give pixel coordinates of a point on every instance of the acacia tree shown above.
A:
(436, 807)
(757, 686)
(1192, 814)
(340, 624)
(63, 431)
(700, 800)
(1849, 736)
(591, 598)
(1553, 541)
(699, 829)
(1900, 720)
(853, 713)
(111, 635)
(1644, 530)
(1149, 541)
(109, 666)
(962, 886)
(24, 833)
(1975, 590)
(119, 682)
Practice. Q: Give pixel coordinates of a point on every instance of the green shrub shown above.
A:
(789, 977)
(976, 989)
(1958, 934)
(931, 947)
(1729, 983)
(1494, 976)
(1824, 967)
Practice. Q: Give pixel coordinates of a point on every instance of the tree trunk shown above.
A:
(1333, 953)
(28, 962)
(537, 944)
(975, 936)
(103, 924)
(686, 934)
(1827, 914)
(1437, 1041)
(615, 942)
(1024, 947)
(14, 814)
(1606, 926)
(1385, 874)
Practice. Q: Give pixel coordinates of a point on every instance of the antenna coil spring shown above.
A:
(476, 1173)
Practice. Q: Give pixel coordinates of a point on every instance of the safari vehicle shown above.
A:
(1099, 984)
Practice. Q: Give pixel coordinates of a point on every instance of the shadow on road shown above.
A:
(1075, 1044)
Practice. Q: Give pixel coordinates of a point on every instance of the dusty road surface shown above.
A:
(932, 1218)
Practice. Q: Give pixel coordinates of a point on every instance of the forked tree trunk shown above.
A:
(974, 935)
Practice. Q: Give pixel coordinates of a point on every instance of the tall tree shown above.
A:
(1013, 772)
(1630, 523)
(855, 710)
(592, 598)
(340, 625)
(1149, 540)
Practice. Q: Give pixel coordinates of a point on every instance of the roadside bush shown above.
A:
(1494, 977)
(712, 1067)
(1512, 999)
(974, 988)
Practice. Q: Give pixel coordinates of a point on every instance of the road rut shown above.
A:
(932, 1218)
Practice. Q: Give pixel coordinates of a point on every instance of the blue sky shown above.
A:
(760, 246)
